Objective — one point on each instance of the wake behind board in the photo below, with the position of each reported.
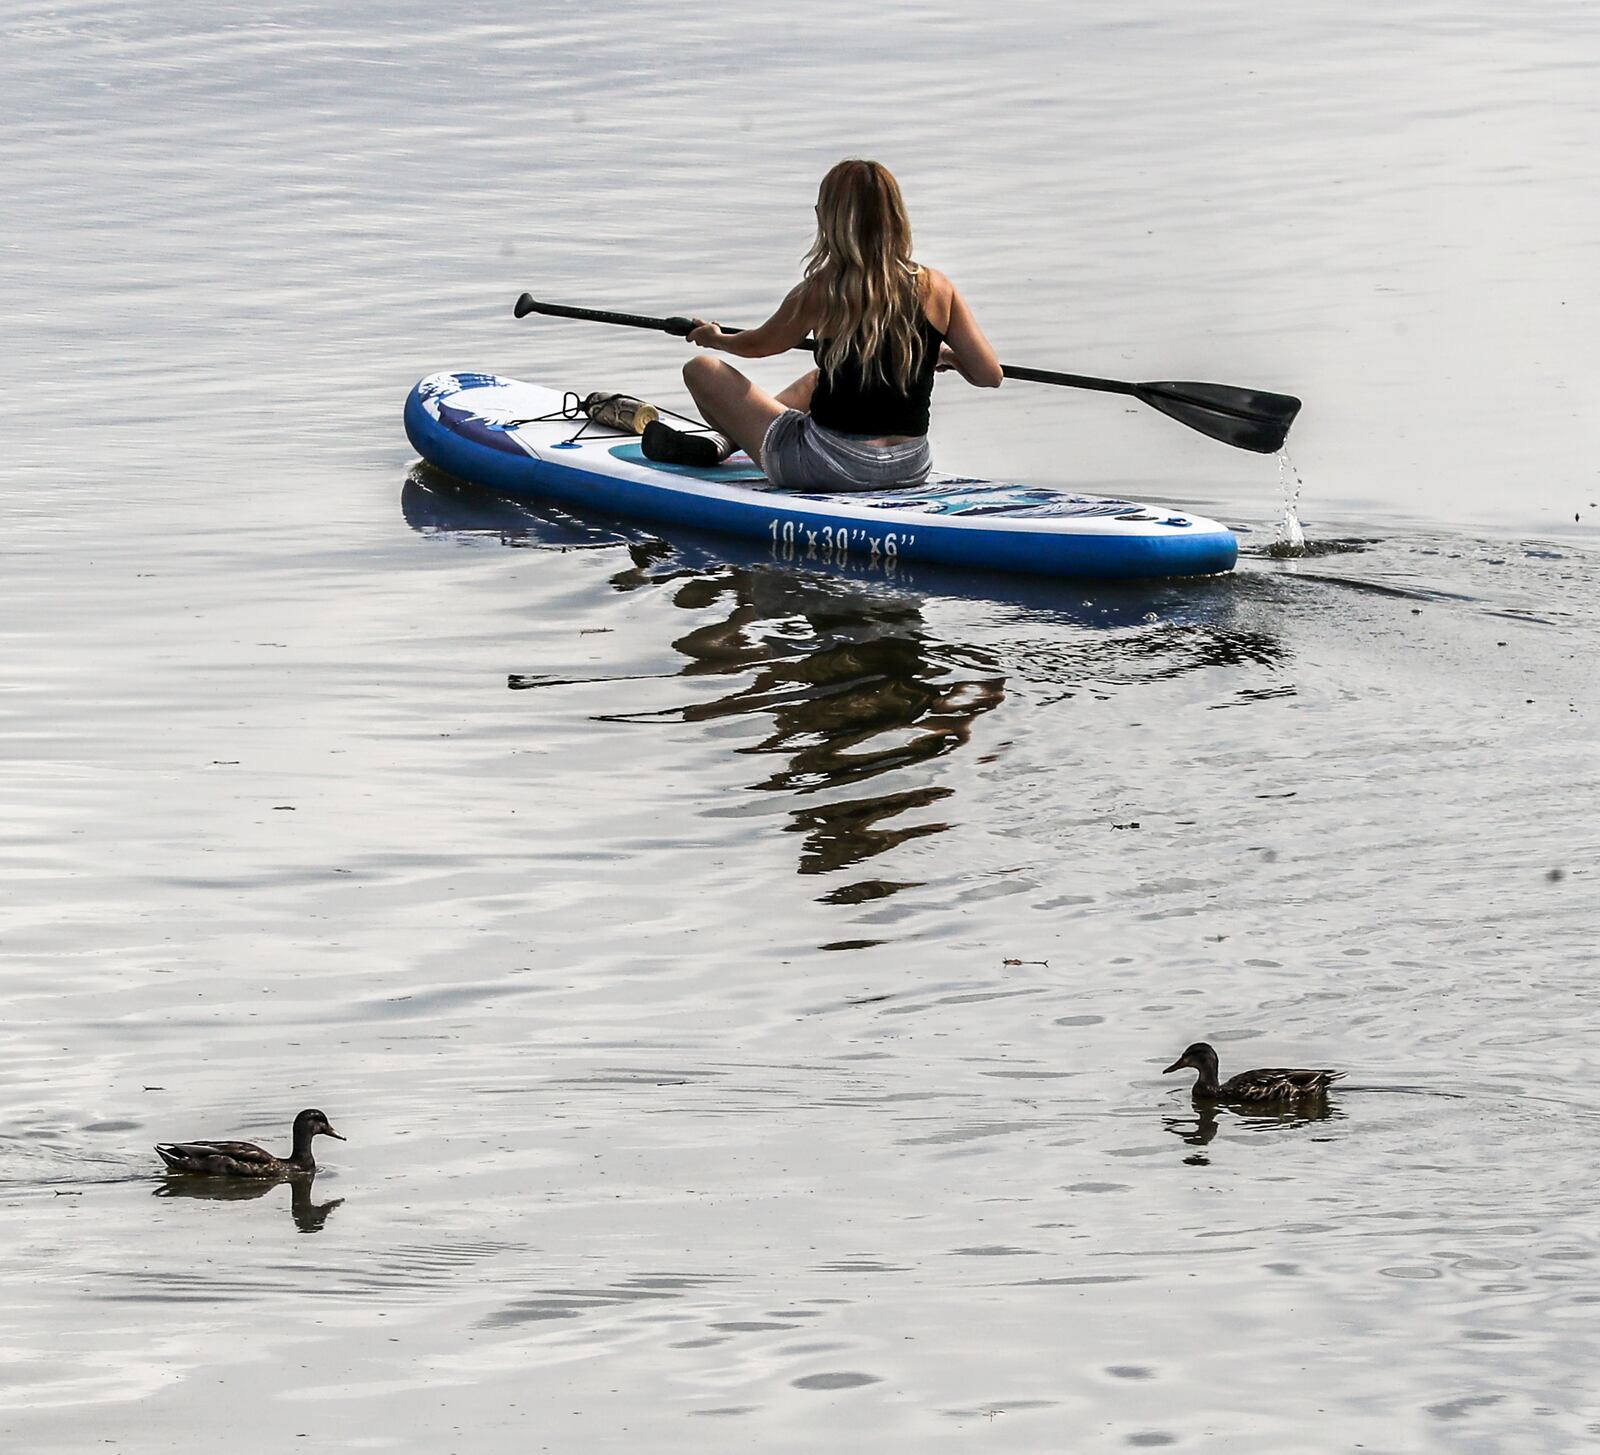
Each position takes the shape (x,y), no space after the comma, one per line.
(511,437)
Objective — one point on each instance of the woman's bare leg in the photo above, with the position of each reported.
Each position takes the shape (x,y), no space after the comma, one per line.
(798,395)
(732,405)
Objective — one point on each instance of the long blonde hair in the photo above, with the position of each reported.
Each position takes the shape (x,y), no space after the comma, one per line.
(864,289)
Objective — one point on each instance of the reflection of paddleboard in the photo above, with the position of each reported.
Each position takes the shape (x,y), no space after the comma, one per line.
(512,437)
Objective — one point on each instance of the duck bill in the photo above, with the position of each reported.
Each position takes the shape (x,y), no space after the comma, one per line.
(337,1136)
(1177,1065)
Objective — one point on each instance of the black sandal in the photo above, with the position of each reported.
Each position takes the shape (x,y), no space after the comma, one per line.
(668,446)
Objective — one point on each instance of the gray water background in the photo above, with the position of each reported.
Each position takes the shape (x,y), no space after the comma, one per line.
(745,986)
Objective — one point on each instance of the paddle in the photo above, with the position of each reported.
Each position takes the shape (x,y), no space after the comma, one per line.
(1249,419)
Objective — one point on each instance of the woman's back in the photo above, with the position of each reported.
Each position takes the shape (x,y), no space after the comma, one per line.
(858,396)
(864,397)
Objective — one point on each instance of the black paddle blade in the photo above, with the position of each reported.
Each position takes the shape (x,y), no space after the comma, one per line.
(1248,419)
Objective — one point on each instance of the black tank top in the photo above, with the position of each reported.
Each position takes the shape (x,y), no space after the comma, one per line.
(849,403)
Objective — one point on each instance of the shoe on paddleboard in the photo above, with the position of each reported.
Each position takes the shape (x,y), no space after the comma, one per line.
(668,446)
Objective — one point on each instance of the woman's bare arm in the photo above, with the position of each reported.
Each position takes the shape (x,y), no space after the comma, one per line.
(786,328)
(966,350)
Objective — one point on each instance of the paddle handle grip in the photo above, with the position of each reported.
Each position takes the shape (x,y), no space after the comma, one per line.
(677,327)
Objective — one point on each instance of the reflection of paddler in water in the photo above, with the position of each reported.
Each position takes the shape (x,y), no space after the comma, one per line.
(867,693)
(308,1216)
(861,689)
(865,690)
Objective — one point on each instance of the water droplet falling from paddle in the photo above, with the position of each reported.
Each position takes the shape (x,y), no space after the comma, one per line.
(1291,537)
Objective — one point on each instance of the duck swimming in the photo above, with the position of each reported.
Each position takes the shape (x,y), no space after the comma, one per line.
(1275,1083)
(245,1159)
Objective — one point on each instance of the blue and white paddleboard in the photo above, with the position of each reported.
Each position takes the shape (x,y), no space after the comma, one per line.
(511,437)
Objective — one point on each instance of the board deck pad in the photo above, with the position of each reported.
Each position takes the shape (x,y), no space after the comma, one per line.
(737,469)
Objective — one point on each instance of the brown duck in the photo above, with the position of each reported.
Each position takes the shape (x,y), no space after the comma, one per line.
(245,1159)
(1276,1083)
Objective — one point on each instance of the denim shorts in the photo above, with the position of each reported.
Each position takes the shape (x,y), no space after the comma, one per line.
(800,454)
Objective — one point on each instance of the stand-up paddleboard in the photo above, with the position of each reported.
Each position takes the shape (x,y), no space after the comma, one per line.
(515,438)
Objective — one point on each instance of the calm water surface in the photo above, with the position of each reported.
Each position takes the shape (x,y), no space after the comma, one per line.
(744,983)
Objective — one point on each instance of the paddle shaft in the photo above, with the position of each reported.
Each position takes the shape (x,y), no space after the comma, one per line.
(680,327)
(1249,419)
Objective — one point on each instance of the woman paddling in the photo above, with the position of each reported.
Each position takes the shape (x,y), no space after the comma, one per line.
(883,325)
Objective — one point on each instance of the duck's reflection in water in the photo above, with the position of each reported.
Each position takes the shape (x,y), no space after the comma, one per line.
(309,1215)
(841,661)
(1199,1126)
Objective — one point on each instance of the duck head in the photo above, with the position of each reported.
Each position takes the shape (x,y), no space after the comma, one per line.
(312,1123)
(1198,1057)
